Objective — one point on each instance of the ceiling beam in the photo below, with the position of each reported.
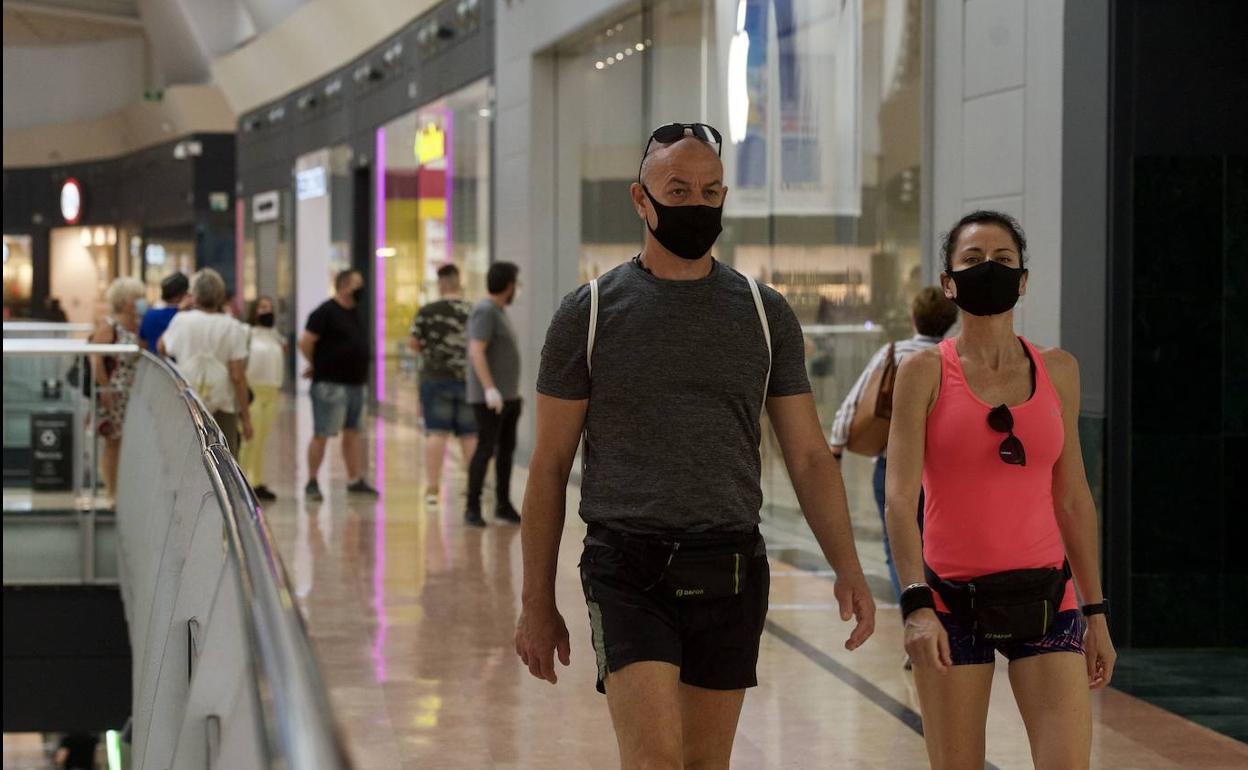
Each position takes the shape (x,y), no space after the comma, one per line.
(60,12)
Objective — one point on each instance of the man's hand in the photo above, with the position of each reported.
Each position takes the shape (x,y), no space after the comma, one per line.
(494,400)
(1099,653)
(539,634)
(927,642)
(855,600)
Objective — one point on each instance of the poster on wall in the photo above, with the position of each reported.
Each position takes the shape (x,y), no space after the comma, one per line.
(792,87)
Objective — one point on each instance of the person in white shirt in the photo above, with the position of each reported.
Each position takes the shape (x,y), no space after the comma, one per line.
(266,368)
(210,349)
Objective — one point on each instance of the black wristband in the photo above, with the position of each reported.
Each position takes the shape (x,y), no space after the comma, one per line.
(1100,608)
(916,597)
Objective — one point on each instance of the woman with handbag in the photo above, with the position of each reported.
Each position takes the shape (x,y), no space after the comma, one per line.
(266,368)
(861,424)
(987,423)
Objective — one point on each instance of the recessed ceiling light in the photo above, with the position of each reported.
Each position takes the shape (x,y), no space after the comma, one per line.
(599,65)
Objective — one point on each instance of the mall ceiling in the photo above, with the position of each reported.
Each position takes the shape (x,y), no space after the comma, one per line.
(184,35)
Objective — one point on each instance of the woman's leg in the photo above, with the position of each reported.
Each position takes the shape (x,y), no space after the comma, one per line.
(264,413)
(955,711)
(435,451)
(1052,694)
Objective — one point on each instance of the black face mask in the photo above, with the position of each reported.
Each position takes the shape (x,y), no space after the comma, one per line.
(358,296)
(989,288)
(266,320)
(686,231)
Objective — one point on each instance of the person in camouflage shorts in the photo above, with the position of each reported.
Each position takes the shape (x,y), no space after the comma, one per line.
(439,334)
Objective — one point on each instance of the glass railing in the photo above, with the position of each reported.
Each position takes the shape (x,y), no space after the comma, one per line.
(59,525)
(46,330)
(225,675)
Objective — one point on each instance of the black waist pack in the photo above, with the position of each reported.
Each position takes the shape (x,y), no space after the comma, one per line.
(689,569)
(1010,606)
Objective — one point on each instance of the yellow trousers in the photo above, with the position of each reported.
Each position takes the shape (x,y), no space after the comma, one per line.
(263,413)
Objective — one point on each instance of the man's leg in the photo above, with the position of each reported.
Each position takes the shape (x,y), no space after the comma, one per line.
(645,703)
(488,424)
(506,450)
(353,454)
(709,725)
(435,451)
(316,455)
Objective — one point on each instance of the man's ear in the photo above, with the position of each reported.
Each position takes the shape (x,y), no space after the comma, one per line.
(639,200)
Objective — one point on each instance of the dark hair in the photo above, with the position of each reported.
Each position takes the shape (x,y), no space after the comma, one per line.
(174,287)
(983,217)
(252,315)
(343,276)
(448,271)
(933,312)
(501,276)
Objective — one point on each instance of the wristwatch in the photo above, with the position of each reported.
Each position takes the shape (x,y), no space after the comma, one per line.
(1100,608)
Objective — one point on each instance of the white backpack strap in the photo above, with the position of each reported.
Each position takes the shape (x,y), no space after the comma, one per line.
(593,325)
(762,318)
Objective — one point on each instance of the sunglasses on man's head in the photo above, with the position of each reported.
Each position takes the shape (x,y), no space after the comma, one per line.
(1011,449)
(674,132)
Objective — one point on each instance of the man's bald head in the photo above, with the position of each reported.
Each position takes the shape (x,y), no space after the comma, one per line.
(682,156)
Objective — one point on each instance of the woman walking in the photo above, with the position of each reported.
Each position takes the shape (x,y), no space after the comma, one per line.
(115,374)
(987,423)
(266,365)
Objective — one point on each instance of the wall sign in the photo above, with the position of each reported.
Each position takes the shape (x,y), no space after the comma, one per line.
(71,201)
(310,183)
(265,207)
(52,444)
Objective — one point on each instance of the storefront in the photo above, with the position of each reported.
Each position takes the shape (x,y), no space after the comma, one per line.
(819,106)
(73,229)
(382,166)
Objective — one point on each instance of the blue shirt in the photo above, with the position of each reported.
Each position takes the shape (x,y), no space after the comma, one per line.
(155,321)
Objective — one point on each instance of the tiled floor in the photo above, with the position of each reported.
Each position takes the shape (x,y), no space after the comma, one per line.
(413,616)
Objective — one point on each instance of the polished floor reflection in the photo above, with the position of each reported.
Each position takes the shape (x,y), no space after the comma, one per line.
(413,615)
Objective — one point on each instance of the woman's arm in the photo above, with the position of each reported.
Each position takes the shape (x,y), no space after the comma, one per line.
(914,394)
(1076,516)
(103,335)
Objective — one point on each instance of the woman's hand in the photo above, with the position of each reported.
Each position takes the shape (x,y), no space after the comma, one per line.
(1099,653)
(927,642)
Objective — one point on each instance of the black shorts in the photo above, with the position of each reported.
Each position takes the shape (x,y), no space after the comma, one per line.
(634,616)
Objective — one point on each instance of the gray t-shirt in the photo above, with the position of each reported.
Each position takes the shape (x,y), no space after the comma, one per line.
(672,428)
(489,324)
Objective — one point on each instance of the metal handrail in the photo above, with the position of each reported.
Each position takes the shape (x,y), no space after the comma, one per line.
(63,347)
(299,724)
(33,327)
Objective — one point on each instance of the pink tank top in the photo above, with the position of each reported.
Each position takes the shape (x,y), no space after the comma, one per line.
(982,515)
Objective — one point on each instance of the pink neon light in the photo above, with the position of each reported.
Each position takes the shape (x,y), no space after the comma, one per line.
(239,237)
(447,150)
(379,270)
(379,551)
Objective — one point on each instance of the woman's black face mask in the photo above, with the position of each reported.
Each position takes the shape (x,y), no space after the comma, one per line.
(989,288)
(686,231)
(266,319)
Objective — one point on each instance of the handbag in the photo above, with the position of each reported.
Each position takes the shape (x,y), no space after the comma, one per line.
(868,430)
(1010,606)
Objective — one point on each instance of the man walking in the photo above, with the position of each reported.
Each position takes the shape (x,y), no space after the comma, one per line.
(439,334)
(336,346)
(173,295)
(665,365)
(494,392)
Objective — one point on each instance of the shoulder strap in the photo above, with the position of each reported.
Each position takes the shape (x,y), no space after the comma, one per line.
(593,325)
(762,318)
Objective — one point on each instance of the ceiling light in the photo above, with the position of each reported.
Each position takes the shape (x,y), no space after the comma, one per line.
(640,46)
(628,51)
(619,56)
(610,60)
(599,65)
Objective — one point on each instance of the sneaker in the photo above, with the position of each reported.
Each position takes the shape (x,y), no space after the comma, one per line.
(362,487)
(431,496)
(907,665)
(473,518)
(312,492)
(508,514)
(264,493)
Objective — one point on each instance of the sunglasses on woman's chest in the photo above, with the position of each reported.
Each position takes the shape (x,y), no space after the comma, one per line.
(1011,450)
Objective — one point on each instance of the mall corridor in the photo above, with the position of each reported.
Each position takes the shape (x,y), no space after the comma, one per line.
(413,616)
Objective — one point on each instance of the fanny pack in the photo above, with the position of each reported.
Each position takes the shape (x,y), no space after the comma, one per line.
(1015,605)
(685,570)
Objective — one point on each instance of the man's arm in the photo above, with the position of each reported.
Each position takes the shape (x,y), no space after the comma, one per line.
(307,346)
(541,630)
(480,365)
(816,477)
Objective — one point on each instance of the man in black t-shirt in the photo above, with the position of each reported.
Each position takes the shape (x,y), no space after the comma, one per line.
(663,367)
(440,335)
(335,343)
